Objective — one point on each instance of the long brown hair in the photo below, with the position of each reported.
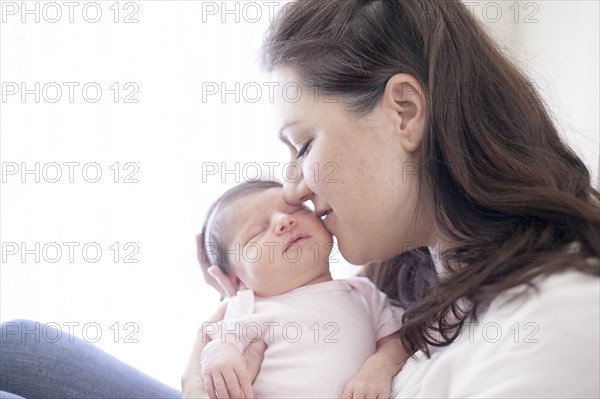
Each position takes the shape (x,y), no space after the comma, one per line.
(508,192)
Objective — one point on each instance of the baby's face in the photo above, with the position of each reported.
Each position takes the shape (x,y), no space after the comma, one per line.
(274,247)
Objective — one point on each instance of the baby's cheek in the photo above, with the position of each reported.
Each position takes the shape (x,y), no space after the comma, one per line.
(251,253)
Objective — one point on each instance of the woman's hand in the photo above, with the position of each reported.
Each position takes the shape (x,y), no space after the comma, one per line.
(213,275)
(192,383)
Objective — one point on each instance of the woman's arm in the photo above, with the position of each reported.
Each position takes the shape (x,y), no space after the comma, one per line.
(192,384)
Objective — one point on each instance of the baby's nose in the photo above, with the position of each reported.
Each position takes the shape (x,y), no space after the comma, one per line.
(285,223)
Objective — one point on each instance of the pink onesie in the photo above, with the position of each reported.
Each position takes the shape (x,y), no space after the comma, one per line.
(318,336)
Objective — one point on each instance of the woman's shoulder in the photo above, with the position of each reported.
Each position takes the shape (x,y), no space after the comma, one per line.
(563,291)
(529,342)
(559,312)
(543,341)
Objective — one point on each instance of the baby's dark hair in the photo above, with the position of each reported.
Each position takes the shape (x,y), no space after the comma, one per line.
(213,244)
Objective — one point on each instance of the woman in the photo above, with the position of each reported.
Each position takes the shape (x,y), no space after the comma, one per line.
(429,142)
(437,141)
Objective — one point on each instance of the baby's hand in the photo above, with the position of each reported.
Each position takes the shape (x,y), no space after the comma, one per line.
(373,381)
(225,372)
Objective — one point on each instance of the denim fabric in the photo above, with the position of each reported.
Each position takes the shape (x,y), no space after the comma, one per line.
(56,365)
(6,395)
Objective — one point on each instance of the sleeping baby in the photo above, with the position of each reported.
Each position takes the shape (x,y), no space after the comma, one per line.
(325,338)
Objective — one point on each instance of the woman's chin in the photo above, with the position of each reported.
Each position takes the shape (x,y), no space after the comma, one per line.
(352,254)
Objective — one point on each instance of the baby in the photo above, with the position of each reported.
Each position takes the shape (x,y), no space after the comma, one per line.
(325,338)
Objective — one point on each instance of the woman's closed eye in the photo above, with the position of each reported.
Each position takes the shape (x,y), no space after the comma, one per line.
(303,149)
(302,208)
(295,209)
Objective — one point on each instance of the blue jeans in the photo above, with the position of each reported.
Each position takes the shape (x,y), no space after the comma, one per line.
(66,367)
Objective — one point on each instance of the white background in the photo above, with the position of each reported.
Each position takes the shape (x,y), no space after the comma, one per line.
(173,53)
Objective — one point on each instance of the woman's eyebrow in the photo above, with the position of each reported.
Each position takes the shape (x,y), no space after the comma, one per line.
(282,137)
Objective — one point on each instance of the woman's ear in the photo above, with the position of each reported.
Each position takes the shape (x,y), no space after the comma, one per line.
(404,98)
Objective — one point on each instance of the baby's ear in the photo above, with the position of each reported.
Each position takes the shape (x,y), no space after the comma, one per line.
(228,283)
(237,283)
(242,286)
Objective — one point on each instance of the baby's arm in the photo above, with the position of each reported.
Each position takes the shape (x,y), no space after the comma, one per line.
(225,371)
(374,379)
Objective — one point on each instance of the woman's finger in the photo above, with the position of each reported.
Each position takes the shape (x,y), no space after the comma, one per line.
(244,381)
(204,265)
(253,355)
(223,280)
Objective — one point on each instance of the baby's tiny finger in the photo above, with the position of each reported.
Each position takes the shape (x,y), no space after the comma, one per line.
(233,386)
(359,394)
(209,386)
(220,387)
(245,383)
(347,393)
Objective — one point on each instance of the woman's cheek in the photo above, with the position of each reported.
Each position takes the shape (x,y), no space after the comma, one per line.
(318,171)
(307,169)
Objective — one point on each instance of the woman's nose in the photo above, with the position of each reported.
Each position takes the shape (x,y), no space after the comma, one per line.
(284,223)
(295,191)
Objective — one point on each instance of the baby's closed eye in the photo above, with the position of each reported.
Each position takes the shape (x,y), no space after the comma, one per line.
(256,232)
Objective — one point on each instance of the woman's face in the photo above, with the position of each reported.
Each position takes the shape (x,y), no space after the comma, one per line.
(361,173)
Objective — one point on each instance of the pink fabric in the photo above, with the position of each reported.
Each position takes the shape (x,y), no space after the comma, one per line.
(318,336)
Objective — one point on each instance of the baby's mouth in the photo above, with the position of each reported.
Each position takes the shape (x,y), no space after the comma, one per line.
(293,240)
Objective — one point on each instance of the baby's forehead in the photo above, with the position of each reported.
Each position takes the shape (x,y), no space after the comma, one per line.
(241,210)
(248,205)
